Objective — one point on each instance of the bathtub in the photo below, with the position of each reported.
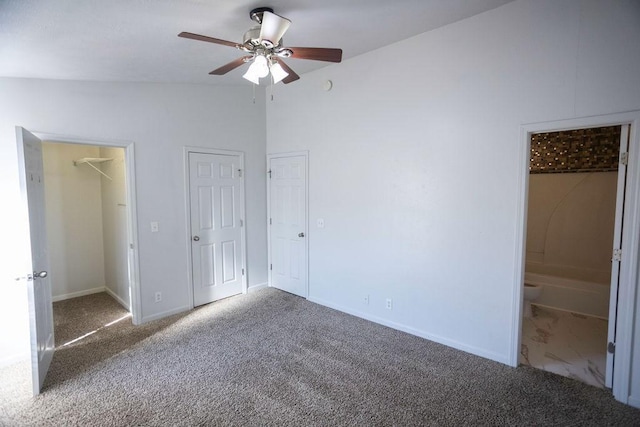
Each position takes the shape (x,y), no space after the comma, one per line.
(572,295)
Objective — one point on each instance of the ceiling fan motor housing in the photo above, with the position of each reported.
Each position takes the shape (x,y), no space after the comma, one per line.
(257,13)
(252,37)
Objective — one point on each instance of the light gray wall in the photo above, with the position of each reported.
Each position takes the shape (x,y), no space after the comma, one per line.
(414,166)
(74,221)
(160,119)
(114,224)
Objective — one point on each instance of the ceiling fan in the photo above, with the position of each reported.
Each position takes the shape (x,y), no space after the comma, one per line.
(264,46)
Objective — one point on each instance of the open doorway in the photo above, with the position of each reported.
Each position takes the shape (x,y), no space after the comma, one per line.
(623,295)
(574,225)
(28,353)
(87,226)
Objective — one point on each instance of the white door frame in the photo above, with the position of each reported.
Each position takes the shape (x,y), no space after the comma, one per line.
(630,240)
(305,154)
(187,204)
(132,216)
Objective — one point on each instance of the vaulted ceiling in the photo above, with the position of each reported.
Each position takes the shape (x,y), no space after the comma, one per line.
(136,40)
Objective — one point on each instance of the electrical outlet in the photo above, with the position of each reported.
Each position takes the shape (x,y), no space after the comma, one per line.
(389,304)
(366,300)
(320,223)
(154,226)
(158,296)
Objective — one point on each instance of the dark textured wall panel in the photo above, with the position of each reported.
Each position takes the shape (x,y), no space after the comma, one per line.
(579,150)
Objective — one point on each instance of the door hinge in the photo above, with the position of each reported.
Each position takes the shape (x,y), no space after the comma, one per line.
(243,271)
(611,347)
(269,172)
(241,223)
(270,221)
(130,245)
(624,158)
(617,255)
(239,173)
(270,266)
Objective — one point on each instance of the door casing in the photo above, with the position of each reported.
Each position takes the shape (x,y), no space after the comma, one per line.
(630,241)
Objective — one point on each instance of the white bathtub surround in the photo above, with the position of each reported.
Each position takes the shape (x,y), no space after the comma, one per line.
(576,296)
(568,344)
(570,224)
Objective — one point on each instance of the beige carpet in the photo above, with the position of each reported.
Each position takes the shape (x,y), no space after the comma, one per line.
(270,358)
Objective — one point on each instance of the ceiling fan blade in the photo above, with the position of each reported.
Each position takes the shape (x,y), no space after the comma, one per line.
(292,77)
(207,39)
(230,66)
(273,27)
(317,53)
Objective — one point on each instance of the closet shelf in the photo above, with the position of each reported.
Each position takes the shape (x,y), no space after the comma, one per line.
(91,160)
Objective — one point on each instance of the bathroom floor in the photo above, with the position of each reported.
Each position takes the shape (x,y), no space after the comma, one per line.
(568,344)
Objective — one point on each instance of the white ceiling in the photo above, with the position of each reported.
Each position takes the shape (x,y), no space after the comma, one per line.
(136,40)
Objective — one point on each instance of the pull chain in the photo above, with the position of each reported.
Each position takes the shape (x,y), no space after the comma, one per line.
(254,93)
(271,87)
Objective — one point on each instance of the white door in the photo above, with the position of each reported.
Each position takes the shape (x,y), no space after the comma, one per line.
(288,223)
(37,282)
(615,261)
(216,200)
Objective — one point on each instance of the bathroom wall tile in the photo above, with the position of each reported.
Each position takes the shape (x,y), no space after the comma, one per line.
(579,150)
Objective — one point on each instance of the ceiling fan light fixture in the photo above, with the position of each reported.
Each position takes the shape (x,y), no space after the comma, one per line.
(251,77)
(273,27)
(264,49)
(278,73)
(260,66)
(258,69)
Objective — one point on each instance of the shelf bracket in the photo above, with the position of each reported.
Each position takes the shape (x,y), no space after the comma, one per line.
(88,162)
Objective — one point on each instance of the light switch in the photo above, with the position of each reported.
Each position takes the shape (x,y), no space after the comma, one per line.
(320,223)
(154,226)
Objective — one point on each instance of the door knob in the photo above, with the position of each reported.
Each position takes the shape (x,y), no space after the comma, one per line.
(196,238)
(300,234)
(40,275)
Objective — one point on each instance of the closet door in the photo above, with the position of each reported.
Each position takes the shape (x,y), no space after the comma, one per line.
(216,200)
(36,266)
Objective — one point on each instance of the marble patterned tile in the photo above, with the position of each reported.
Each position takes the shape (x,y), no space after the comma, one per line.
(568,344)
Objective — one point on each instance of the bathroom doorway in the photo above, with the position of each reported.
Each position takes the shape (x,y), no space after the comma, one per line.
(621,321)
(565,250)
(575,206)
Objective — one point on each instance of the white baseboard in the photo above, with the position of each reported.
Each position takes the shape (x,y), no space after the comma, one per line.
(146,319)
(502,358)
(79,294)
(633,401)
(257,287)
(13,359)
(117,298)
